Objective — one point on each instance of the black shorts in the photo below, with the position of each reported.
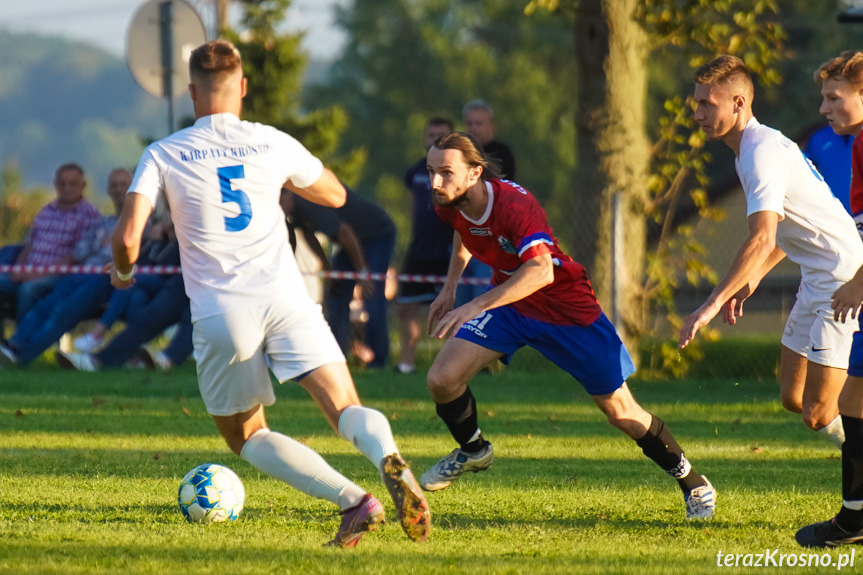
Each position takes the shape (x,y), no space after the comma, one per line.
(411,292)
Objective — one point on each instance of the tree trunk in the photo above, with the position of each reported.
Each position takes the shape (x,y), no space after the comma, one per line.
(613,152)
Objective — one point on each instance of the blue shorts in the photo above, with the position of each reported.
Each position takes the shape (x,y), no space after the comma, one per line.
(855,362)
(592,354)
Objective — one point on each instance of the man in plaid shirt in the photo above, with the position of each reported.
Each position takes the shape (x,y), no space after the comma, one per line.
(56,229)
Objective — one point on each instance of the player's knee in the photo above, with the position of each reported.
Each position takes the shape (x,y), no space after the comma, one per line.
(440,380)
(817,416)
(792,403)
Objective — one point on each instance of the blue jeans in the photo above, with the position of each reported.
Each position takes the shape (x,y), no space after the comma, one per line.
(27,293)
(166,308)
(124,301)
(378,253)
(72,300)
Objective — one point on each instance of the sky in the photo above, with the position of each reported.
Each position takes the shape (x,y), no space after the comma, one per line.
(104,22)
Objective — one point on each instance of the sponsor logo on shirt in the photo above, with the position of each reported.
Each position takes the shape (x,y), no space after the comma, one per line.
(480,231)
(194,155)
(506,245)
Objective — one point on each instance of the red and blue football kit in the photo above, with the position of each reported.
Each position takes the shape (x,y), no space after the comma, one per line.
(563,320)
(514,230)
(855,363)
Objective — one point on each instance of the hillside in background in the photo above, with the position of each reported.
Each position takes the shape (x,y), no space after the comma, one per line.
(65,101)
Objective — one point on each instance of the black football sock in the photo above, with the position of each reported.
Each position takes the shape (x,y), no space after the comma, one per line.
(848,518)
(659,445)
(459,415)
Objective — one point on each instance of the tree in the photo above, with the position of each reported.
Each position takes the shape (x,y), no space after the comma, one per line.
(408,60)
(18,207)
(274,62)
(614,39)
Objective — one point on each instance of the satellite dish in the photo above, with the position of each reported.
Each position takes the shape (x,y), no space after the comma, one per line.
(160,26)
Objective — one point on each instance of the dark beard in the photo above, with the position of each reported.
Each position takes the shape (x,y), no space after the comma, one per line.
(453,203)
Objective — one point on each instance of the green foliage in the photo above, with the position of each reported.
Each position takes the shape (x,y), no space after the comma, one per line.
(91,463)
(408,60)
(695,31)
(699,29)
(273,63)
(18,206)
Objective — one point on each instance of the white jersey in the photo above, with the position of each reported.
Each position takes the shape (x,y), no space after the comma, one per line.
(222,178)
(814,230)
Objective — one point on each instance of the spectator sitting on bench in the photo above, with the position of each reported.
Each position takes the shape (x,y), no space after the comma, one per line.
(74,297)
(57,228)
(159,249)
(159,309)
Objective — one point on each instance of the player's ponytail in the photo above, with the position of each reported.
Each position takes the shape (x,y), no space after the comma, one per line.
(472,152)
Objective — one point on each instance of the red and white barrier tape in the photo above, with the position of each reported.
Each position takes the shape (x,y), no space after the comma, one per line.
(68,269)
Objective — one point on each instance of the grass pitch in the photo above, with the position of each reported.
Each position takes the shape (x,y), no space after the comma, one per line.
(90,465)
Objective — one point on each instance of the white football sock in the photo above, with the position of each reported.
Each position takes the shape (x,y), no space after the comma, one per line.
(300,467)
(369,430)
(834,431)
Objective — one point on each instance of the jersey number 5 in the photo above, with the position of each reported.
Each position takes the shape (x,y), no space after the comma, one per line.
(241,221)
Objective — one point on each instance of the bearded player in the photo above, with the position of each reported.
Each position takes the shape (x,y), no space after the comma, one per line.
(540,298)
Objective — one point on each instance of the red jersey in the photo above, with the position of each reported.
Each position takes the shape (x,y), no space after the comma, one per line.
(513,230)
(857,183)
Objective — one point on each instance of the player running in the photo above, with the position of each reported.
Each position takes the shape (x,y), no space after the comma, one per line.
(792,211)
(540,298)
(841,80)
(222,178)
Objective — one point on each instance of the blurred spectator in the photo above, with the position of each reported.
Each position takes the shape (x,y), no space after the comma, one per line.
(160,248)
(479,123)
(74,297)
(168,307)
(428,252)
(365,236)
(57,228)
(831,154)
(308,252)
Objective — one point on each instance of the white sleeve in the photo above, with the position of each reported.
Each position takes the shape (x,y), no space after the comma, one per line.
(149,180)
(303,168)
(765,179)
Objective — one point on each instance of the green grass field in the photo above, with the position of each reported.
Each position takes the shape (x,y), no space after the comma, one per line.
(90,465)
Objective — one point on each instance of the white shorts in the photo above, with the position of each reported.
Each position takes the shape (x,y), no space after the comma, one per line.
(233,351)
(812,332)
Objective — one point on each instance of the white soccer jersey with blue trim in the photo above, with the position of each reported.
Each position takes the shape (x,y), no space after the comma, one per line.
(222,178)
(815,231)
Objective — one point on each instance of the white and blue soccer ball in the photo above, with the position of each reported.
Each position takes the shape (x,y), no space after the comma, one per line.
(211,493)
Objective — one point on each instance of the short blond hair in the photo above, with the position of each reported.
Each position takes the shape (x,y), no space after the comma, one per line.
(846,66)
(728,70)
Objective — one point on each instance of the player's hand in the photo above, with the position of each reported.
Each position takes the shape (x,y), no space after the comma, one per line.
(441,305)
(698,319)
(847,300)
(454,319)
(116,281)
(733,308)
(367,288)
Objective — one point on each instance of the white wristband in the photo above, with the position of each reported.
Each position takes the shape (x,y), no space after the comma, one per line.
(126,277)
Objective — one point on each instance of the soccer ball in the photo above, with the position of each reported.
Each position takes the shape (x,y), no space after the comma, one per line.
(211,493)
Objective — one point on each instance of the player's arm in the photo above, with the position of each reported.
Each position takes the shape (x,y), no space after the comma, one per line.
(347,238)
(326,191)
(126,241)
(532,276)
(446,298)
(756,257)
